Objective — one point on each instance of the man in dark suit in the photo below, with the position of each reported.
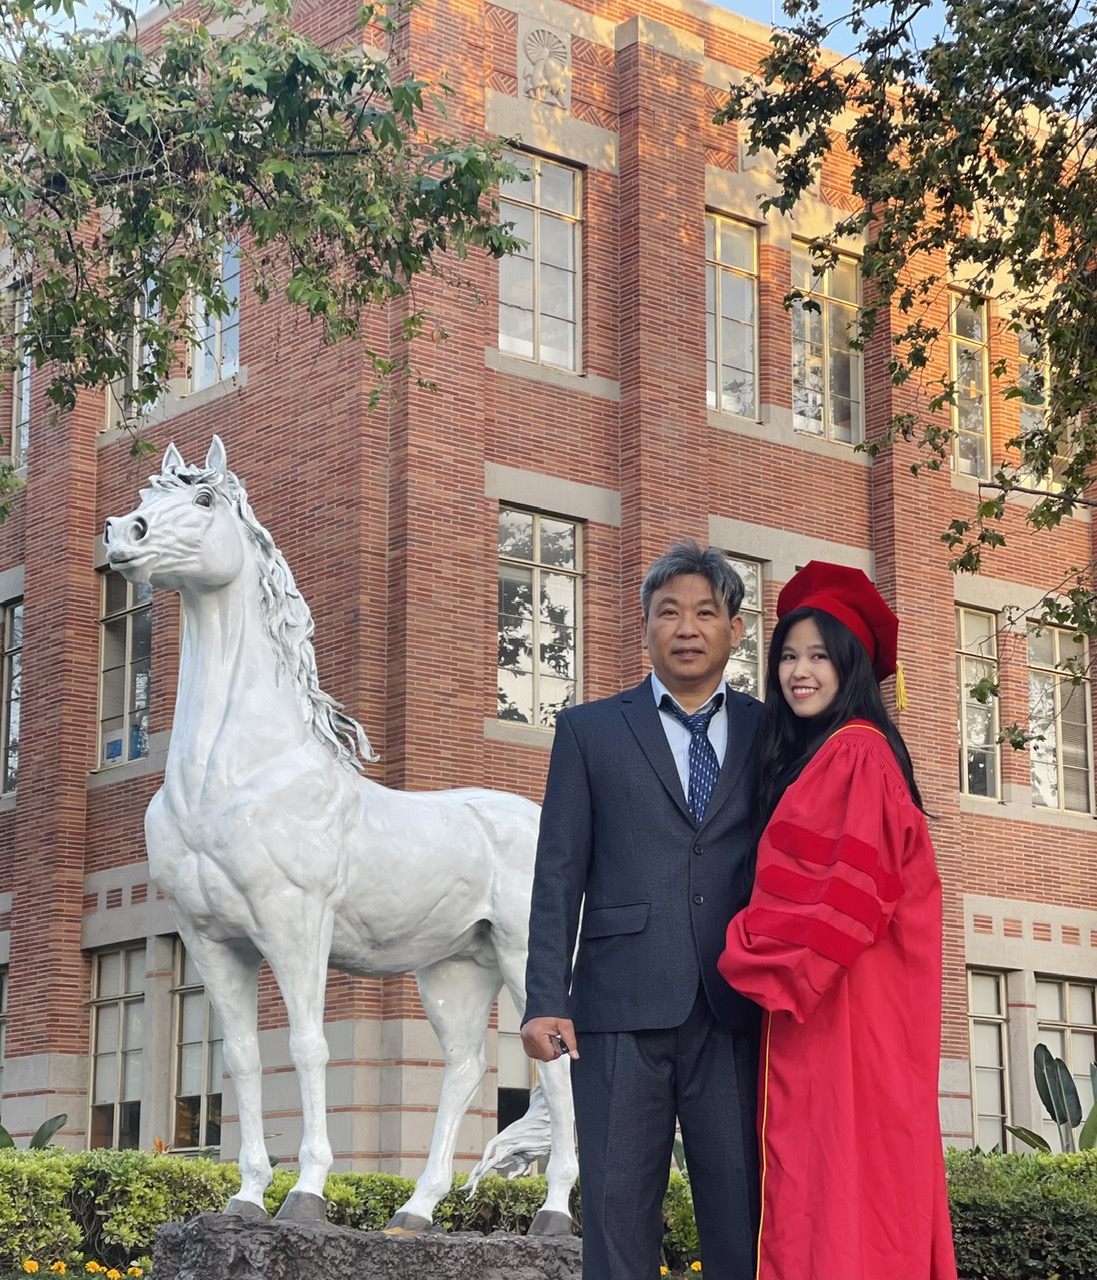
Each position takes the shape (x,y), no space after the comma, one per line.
(647,826)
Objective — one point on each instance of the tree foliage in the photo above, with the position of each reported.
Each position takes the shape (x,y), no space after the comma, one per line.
(127,163)
(974,164)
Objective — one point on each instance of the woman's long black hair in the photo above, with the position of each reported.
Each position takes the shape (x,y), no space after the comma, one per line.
(786,742)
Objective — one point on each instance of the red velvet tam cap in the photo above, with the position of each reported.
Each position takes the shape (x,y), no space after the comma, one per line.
(848,595)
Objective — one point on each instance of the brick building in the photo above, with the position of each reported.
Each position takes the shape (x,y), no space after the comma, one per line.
(631,378)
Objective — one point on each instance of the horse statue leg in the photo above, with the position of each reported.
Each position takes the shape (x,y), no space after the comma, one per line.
(554,1078)
(230,972)
(300,968)
(457,995)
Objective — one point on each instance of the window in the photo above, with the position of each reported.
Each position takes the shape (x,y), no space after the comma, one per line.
(976,660)
(539,568)
(1066,1020)
(989,1081)
(539,286)
(122,404)
(517,1074)
(826,370)
(3,1025)
(968,371)
(1058,711)
(12,689)
(118,995)
(199,1060)
(1034,378)
(216,353)
(126,627)
(746,666)
(731,308)
(20,392)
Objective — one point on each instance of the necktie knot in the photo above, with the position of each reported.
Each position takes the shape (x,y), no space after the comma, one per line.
(704,767)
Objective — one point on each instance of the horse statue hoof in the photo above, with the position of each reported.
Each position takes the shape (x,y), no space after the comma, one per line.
(550,1222)
(406,1224)
(303,1206)
(245,1209)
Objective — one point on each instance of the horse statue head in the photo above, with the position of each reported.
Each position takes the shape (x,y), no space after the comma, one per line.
(194,532)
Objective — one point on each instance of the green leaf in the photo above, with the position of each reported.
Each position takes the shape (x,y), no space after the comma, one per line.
(6,1140)
(1056,1088)
(45,1132)
(1034,1140)
(1087,1139)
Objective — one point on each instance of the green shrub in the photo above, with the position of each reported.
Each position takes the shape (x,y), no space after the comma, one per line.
(1014,1217)
(680,1242)
(1021,1216)
(119,1198)
(34,1215)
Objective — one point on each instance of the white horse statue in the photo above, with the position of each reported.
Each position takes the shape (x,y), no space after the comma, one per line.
(269,844)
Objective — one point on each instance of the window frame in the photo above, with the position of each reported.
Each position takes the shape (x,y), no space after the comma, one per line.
(536,566)
(966,658)
(129,613)
(21,301)
(1066,1027)
(999,1020)
(1083,691)
(181,988)
(119,402)
(210,328)
(4,991)
(574,220)
(124,999)
(759,613)
(956,301)
(715,269)
(1037,359)
(818,291)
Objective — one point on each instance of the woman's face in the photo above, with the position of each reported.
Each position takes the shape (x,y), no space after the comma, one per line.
(806,674)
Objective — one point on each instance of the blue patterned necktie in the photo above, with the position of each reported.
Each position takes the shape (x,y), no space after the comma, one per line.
(704,768)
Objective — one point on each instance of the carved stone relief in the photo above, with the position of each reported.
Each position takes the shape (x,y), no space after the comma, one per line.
(544,63)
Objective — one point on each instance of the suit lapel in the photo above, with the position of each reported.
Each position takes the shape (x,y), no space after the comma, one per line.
(735,756)
(642,715)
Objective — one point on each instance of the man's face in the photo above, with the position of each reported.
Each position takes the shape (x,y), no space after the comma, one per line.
(689,636)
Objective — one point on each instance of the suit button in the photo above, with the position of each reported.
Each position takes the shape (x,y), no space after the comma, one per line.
(698,848)
(698,898)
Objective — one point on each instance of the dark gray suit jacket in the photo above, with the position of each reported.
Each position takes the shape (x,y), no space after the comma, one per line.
(659,893)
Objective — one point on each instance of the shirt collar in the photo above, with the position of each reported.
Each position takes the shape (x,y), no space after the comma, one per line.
(660,690)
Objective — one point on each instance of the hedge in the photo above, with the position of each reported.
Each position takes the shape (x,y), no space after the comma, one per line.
(1014,1217)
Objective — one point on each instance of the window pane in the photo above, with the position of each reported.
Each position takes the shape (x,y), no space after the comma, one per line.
(736,246)
(557,543)
(985,993)
(558,188)
(1082,1007)
(968,322)
(516,283)
(135,970)
(986,1045)
(105,1085)
(516,535)
(557,243)
(109,972)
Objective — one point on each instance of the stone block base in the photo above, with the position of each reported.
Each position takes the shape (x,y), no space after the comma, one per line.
(224,1247)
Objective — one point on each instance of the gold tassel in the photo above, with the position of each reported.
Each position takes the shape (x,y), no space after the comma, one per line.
(901,699)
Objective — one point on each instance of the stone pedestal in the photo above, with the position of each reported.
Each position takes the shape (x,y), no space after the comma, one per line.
(224,1247)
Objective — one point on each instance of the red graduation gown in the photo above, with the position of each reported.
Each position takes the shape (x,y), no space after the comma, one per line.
(841,943)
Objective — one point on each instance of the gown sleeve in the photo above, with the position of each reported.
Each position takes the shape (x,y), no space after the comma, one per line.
(829,877)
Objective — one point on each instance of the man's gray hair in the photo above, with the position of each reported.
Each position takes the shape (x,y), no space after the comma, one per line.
(687,556)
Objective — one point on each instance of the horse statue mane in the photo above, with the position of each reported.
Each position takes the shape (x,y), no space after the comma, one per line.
(287,617)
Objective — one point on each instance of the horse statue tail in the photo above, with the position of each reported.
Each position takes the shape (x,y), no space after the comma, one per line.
(511,1152)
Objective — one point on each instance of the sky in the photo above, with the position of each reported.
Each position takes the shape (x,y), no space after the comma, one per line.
(759,10)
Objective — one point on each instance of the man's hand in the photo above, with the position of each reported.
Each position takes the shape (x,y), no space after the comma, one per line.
(546,1039)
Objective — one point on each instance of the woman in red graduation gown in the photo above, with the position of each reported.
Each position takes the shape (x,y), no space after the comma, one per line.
(841,944)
